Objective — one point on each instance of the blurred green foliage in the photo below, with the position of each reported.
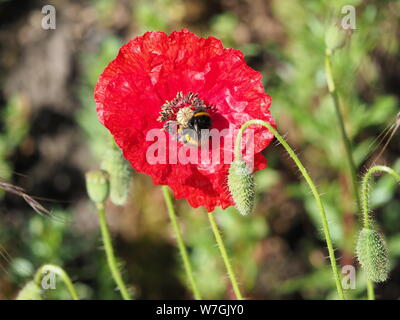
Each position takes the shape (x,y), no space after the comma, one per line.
(14,118)
(293,69)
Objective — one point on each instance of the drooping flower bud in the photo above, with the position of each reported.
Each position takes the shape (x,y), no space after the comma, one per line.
(97,185)
(241,186)
(120,173)
(372,254)
(31,291)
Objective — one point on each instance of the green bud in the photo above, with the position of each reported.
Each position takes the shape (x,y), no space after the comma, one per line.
(334,37)
(241,186)
(120,173)
(31,291)
(97,185)
(372,254)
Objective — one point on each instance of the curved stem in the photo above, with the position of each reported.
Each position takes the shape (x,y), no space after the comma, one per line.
(182,249)
(313,189)
(111,260)
(346,141)
(225,256)
(59,271)
(365,191)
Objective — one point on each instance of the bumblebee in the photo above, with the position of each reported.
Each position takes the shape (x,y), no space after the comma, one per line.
(189,115)
(190,123)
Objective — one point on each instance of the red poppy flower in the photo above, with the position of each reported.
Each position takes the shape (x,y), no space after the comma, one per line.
(156,73)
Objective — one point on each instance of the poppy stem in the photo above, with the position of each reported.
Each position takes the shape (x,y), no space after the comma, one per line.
(43,270)
(181,244)
(225,256)
(345,138)
(111,259)
(365,193)
(370,290)
(365,189)
(313,189)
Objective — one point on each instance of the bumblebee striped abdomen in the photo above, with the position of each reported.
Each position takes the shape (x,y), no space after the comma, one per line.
(200,120)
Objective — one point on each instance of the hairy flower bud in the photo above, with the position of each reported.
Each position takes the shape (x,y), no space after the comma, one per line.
(97,185)
(31,291)
(120,173)
(372,254)
(241,186)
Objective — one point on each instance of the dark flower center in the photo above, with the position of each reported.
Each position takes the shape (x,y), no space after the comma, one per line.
(188,114)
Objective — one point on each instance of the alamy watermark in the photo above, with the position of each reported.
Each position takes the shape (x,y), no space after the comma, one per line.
(49,20)
(349,278)
(48,280)
(349,20)
(210,147)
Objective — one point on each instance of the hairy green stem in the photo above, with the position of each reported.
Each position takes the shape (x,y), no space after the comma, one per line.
(182,249)
(365,192)
(225,256)
(313,189)
(345,139)
(43,270)
(370,290)
(111,259)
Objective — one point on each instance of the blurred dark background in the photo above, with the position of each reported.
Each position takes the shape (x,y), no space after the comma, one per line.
(50,136)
